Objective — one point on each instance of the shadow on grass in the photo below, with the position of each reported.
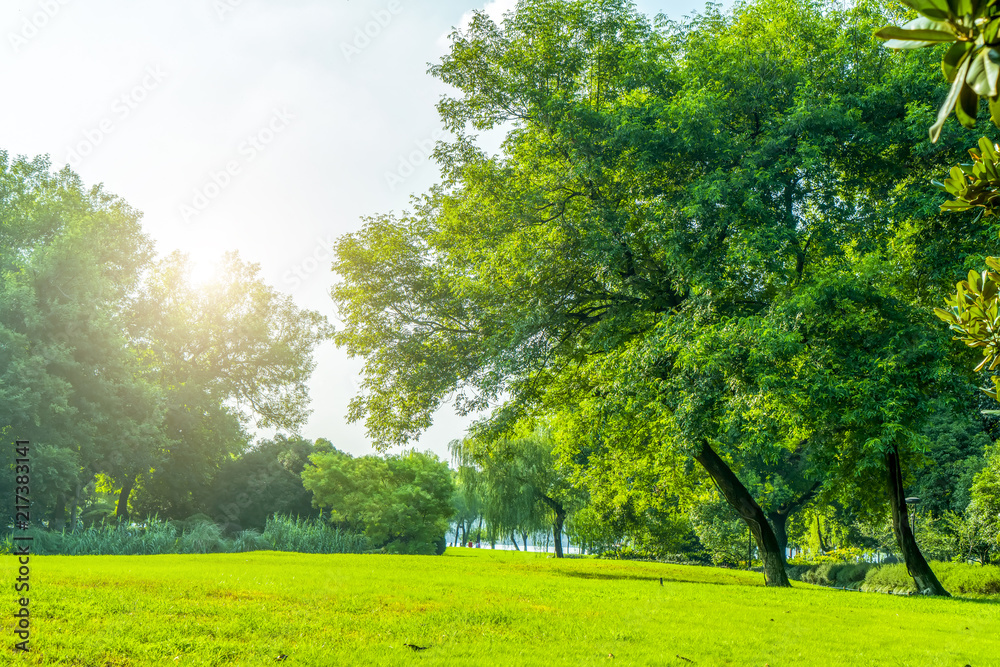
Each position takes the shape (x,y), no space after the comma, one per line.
(605,576)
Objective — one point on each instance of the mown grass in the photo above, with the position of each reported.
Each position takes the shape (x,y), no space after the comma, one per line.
(470,606)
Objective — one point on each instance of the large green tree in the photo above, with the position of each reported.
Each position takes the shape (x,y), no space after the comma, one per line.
(71,259)
(230,355)
(663,192)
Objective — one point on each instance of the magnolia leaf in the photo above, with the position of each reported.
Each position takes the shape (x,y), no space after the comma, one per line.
(990,36)
(968,103)
(995,110)
(982,364)
(978,77)
(935,9)
(950,101)
(945,315)
(917,33)
(992,72)
(953,59)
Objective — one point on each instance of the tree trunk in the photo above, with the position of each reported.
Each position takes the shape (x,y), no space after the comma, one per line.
(58,519)
(121,511)
(779,522)
(925,579)
(823,546)
(751,513)
(557,525)
(76,506)
(557,529)
(524,536)
(513,538)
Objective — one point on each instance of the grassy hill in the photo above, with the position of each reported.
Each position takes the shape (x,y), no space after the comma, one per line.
(471,607)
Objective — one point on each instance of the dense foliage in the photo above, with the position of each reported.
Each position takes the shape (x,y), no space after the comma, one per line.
(401,503)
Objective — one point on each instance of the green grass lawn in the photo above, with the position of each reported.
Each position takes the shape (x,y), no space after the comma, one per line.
(470,606)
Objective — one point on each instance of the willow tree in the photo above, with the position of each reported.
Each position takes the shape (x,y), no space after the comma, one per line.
(520,484)
(658,183)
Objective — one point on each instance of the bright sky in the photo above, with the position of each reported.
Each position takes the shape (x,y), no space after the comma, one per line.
(265,126)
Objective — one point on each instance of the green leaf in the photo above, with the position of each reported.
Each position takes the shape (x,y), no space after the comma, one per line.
(945,315)
(979,76)
(968,104)
(990,36)
(931,8)
(953,59)
(960,7)
(992,72)
(945,110)
(995,110)
(989,290)
(917,33)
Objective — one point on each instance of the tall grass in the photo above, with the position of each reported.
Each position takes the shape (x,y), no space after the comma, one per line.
(164,537)
(312,537)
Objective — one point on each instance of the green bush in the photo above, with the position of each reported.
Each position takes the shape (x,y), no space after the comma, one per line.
(841,575)
(969,579)
(194,536)
(889,579)
(957,578)
(251,540)
(204,538)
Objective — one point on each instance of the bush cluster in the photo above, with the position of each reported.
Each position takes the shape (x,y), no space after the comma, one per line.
(841,575)
(958,578)
(194,537)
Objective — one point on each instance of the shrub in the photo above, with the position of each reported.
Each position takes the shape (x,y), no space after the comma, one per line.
(312,537)
(957,578)
(842,575)
(250,540)
(969,579)
(889,579)
(203,538)
(194,536)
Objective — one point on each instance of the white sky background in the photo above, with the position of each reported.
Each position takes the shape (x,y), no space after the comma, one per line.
(156,97)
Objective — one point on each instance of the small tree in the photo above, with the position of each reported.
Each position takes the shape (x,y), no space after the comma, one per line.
(521,484)
(402,503)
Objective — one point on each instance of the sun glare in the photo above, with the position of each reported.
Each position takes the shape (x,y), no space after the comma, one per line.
(202,272)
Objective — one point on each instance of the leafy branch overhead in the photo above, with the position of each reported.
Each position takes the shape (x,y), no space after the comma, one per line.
(971,64)
(973,312)
(976,183)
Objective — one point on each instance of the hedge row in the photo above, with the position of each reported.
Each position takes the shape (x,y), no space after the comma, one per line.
(957,578)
